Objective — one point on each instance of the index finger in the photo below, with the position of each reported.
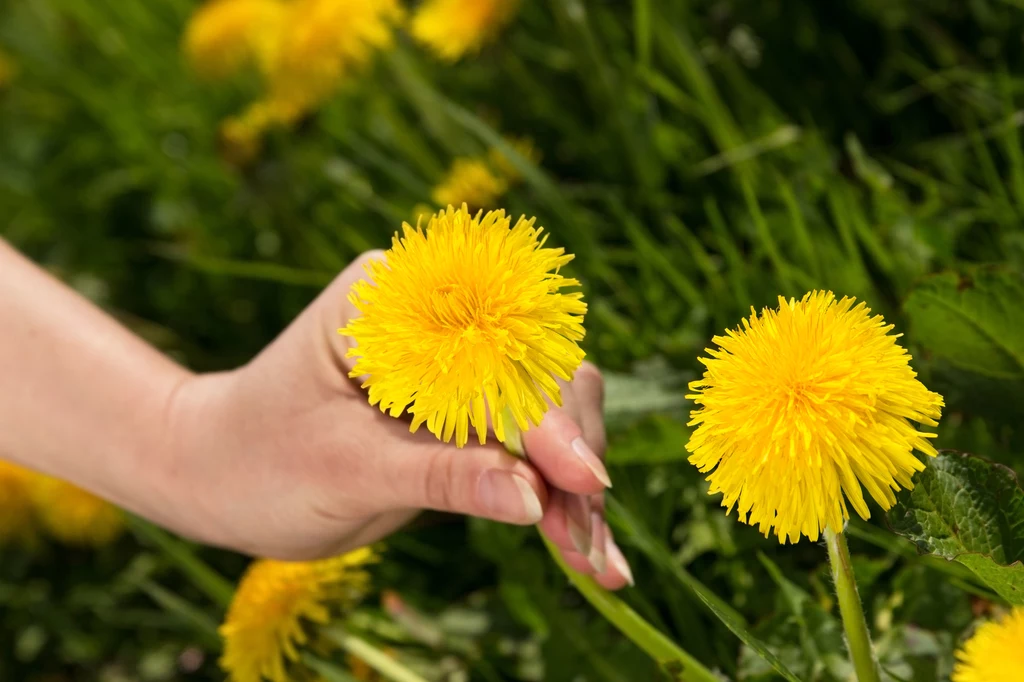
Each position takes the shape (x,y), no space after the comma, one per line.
(565,447)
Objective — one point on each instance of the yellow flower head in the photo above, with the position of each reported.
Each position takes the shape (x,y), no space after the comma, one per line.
(242,136)
(276,601)
(74,516)
(322,41)
(16,517)
(470,182)
(453,28)
(465,319)
(803,404)
(995,653)
(223,36)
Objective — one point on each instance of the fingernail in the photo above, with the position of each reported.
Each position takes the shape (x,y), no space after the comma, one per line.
(577,515)
(592,461)
(619,561)
(508,497)
(597,557)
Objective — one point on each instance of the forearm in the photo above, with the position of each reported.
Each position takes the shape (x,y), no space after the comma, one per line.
(81,397)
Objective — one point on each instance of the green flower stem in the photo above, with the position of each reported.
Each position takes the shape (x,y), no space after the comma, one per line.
(667,653)
(372,656)
(857,637)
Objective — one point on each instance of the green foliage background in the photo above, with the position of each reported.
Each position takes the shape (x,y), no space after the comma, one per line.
(699,157)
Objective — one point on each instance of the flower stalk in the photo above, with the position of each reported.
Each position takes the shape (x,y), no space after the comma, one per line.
(667,653)
(858,639)
(387,666)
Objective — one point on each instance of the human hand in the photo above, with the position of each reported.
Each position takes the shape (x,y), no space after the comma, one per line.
(286,458)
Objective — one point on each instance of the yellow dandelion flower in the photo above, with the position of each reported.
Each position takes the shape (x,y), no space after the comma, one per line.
(470,182)
(224,36)
(803,404)
(243,135)
(74,516)
(16,515)
(322,41)
(995,653)
(276,601)
(454,28)
(466,318)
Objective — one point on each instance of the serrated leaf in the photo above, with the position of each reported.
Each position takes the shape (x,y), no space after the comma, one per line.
(970,510)
(973,321)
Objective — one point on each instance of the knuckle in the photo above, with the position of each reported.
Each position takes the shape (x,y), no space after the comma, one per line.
(590,377)
(439,480)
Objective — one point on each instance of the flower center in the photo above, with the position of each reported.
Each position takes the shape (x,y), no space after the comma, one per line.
(454,307)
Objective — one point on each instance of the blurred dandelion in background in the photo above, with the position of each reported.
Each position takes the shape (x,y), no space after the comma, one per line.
(277,601)
(225,36)
(995,653)
(804,404)
(75,516)
(470,182)
(452,29)
(302,49)
(472,308)
(324,41)
(480,182)
(17,522)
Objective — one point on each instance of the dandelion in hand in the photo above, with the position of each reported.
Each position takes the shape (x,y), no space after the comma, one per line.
(466,319)
(803,405)
(995,653)
(275,603)
(453,28)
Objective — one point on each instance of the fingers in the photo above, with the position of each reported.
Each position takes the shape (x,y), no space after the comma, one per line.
(588,392)
(482,481)
(339,289)
(336,310)
(617,573)
(569,522)
(560,451)
(604,560)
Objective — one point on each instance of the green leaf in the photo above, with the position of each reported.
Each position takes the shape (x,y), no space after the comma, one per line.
(970,510)
(973,321)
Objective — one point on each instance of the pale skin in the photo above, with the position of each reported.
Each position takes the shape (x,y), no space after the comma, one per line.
(283,457)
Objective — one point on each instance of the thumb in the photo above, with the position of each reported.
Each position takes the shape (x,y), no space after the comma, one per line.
(417,471)
(334,308)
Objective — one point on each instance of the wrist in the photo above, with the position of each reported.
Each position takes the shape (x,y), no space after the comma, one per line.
(181,486)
